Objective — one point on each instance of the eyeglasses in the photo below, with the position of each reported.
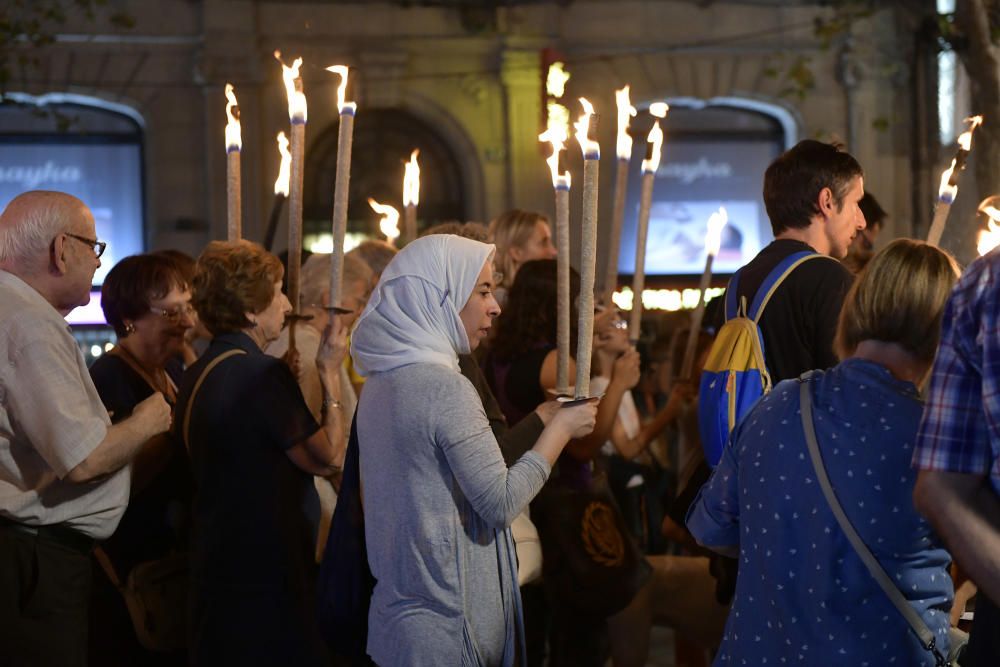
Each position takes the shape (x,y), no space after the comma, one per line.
(174,315)
(98,246)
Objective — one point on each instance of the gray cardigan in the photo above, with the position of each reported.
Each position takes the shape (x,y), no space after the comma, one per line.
(439,501)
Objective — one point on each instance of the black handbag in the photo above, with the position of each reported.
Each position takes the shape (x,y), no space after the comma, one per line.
(589,559)
(345,579)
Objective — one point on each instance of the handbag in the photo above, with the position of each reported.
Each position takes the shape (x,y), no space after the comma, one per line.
(909,614)
(346,582)
(589,559)
(528,546)
(156,595)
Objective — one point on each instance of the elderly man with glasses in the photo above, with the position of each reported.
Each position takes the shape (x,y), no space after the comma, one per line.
(64,480)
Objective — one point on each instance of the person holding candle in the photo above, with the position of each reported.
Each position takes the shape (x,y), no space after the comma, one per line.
(147,300)
(801,584)
(254,449)
(520,236)
(520,367)
(438,497)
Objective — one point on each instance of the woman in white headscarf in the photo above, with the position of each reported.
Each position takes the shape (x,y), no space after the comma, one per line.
(438,498)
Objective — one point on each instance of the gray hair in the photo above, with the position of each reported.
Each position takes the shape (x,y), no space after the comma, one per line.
(30,222)
(316,276)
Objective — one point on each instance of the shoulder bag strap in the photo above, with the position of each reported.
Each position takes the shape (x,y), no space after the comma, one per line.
(197,385)
(905,609)
(776,277)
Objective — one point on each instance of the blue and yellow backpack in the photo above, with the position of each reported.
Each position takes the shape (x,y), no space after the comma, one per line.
(735,374)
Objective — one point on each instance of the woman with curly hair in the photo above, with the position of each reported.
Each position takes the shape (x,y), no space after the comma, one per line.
(254,447)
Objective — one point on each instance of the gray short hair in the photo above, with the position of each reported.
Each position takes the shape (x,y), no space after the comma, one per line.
(316,276)
(30,222)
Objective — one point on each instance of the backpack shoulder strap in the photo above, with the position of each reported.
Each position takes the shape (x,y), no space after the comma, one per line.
(197,385)
(775,278)
(906,610)
(732,296)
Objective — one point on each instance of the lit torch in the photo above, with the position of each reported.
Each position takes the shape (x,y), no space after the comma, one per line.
(389,222)
(586,126)
(948,189)
(297,116)
(624,150)
(556,135)
(713,241)
(280,190)
(234,143)
(345,139)
(411,196)
(654,145)
(989,238)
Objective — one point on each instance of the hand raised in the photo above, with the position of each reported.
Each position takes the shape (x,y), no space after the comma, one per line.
(578,420)
(626,370)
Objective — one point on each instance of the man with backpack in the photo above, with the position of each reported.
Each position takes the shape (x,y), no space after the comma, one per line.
(781,308)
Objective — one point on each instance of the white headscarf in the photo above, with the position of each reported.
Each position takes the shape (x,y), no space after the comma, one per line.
(413,313)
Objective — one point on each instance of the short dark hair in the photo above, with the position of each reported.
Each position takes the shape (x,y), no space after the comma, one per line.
(874,214)
(133,283)
(792,182)
(234,278)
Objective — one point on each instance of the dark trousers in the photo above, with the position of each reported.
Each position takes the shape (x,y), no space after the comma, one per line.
(44,591)
(984,640)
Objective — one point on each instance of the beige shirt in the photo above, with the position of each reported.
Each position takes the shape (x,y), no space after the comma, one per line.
(51,419)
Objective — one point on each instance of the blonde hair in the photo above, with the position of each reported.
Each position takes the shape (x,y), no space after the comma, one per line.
(512,229)
(898,298)
(316,276)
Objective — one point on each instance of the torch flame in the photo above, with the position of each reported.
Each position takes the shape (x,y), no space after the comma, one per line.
(990,237)
(965,139)
(555,79)
(659,109)
(284,171)
(713,237)
(389,224)
(625,111)
(591,149)
(655,137)
(411,180)
(555,135)
(296,98)
(948,190)
(233,139)
(341,71)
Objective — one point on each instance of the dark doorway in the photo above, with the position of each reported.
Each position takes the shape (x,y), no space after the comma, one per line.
(383,140)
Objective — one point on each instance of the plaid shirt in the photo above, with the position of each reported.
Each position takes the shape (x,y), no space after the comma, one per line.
(960,429)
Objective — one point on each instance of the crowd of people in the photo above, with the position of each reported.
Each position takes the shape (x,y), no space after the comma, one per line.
(393,480)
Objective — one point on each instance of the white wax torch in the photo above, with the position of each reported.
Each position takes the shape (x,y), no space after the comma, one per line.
(234,143)
(297,117)
(556,136)
(280,189)
(623,147)
(388,224)
(586,126)
(989,238)
(713,241)
(654,147)
(948,189)
(345,138)
(411,196)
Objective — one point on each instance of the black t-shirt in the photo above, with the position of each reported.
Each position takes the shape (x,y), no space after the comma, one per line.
(799,322)
(156,519)
(252,529)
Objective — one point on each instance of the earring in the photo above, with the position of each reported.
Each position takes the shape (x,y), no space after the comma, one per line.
(129,328)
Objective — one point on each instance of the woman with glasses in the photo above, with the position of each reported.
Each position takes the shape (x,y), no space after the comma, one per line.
(148,303)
